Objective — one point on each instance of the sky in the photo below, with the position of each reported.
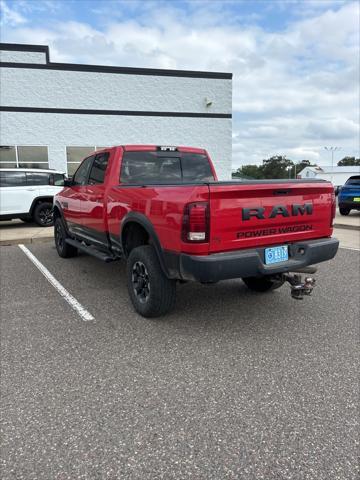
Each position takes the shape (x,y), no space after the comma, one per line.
(295,62)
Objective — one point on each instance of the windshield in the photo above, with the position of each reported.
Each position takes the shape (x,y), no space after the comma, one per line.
(353,181)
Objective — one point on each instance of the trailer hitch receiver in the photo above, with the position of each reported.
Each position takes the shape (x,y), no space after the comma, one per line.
(299,286)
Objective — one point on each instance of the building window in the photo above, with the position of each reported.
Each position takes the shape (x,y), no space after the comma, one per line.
(33,157)
(74,156)
(23,157)
(8,157)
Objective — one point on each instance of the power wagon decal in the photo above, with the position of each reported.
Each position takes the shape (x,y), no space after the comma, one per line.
(292,211)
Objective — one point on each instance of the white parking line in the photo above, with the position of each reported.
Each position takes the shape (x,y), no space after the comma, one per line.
(75,305)
(351,248)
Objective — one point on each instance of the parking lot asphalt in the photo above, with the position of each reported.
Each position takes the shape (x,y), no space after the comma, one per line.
(231,385)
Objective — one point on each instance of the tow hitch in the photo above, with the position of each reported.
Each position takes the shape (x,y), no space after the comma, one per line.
(300,285)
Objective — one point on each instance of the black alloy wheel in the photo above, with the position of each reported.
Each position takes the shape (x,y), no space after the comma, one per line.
(141,282)
(46,216)
(64,249)
(43,214)
(152,293)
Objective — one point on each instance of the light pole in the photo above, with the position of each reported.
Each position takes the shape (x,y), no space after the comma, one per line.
(332,150)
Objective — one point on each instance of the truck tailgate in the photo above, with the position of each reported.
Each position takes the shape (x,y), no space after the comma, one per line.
(258,213)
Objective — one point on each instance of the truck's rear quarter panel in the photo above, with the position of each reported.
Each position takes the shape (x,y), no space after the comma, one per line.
(162,205)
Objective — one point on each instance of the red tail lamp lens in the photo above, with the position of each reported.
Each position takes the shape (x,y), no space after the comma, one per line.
(196,222)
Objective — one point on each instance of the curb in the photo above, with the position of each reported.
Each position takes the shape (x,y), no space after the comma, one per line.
(346,226)
(25,241)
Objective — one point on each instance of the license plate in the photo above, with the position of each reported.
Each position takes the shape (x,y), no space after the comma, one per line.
(357,199)
(276,254)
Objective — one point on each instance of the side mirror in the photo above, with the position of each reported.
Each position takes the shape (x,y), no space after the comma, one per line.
(68,182)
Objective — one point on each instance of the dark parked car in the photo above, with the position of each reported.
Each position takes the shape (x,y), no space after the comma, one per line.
(349,196)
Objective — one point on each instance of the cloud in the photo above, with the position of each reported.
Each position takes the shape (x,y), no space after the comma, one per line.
(295,88)
(10,16)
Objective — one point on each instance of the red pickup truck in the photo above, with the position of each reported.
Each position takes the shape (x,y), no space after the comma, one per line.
(165,212)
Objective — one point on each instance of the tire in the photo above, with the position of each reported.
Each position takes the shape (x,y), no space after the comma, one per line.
(263,284)
(43,214)
(151,292)
(344,211)
(64,249)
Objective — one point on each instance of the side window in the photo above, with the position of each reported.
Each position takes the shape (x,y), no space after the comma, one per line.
(98,169)
(3,178)
(37,178)
(12,179)
(75,155)
(81,174)
(57,179)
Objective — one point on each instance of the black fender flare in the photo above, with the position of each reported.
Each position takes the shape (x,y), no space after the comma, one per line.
(57,205)
(143,221)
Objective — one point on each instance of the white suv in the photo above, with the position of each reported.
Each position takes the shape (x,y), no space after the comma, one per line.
(28,194)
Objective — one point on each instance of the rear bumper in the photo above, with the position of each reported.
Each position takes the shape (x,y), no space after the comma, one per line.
(248,263)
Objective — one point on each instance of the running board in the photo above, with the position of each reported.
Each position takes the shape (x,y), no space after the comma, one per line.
(105,257)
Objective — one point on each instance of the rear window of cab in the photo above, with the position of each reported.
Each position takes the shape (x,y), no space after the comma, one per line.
(156,168)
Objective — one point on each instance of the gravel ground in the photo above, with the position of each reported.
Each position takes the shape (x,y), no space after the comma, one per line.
(231,385)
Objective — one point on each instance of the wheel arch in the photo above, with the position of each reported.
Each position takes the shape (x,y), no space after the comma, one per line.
(42,199)
(138,222)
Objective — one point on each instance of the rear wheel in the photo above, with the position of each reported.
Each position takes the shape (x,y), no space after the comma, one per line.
(43,214)
(151,292)
(64,249)
(344,211)
(263,284)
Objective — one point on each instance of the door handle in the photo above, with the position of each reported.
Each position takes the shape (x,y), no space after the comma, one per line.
(31,189)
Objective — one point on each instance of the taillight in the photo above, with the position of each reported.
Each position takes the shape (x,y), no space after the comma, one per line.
(333,209)
(196,222)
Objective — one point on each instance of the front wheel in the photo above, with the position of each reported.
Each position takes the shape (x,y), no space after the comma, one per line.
(263,284)
(151,292)
(344,211)
(43,214)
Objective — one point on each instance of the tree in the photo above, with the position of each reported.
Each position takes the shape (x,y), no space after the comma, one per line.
(349,162)
(276,167)
(248,171)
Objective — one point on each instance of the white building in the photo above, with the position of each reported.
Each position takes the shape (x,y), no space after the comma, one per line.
(53,114)
(336,175)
